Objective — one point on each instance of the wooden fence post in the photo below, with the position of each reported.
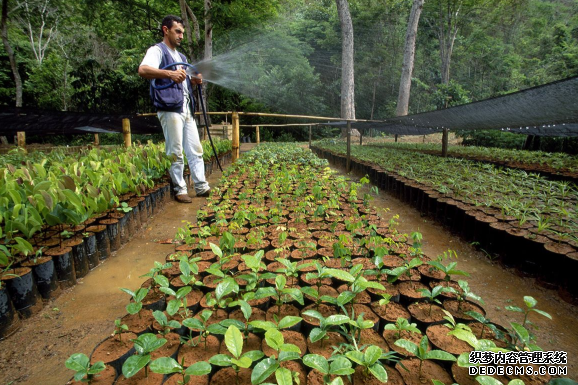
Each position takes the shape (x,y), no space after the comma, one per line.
(21,135)
(257,135)
(310,136)
(445,143)
(348,162)
(126,132)
(96,140)
(235,146)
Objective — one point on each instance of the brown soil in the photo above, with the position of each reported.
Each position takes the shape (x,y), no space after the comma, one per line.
(84,315)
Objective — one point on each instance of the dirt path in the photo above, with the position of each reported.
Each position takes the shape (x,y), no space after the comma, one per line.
(84,315)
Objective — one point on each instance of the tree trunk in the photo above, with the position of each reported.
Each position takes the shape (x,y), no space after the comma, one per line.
(10,53)
(448,25)
(188,31)
(347,71)
(408,59)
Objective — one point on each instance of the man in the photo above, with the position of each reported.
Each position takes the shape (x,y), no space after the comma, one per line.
(174,108)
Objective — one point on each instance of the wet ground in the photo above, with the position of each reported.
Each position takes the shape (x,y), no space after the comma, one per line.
(84,315)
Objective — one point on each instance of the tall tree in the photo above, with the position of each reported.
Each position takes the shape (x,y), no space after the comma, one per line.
(347,69)
(40,20)
(10,52)
(408,58)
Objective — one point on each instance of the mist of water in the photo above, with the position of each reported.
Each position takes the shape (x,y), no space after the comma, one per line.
(271,68)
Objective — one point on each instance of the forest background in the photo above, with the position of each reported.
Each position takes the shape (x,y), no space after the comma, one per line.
(83,55)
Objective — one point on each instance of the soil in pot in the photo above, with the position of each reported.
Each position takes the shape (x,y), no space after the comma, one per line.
(228,376)
(170,348)
(459,308)
(197,349)
(326,347)
(22,289)
(324,290)
(45,276)
(371,337)
(102,241)
(429,370)
(140,322)
(114,350)
(391,336)
(141,378)
(390,312)
(106,377)
(426,313)
(64,266)
(316,378)
(409,291)
(256,315)
(177,379)
(438,336)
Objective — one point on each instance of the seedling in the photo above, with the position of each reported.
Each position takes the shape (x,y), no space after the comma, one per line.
(421,352)
(464,294)
(124,207)
(280,293)
(340,366)
(84,371)
(168,365)
(237,360)
(449,270)
(164,323)
(431,296)
(486,323)
(144,345)
(520,333)
(402,325)
(202,326)
(369,361)
(137,297)
(119,329)
(325,324)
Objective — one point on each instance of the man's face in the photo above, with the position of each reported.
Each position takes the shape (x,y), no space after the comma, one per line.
(175,34)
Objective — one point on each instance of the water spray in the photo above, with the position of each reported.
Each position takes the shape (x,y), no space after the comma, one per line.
(192,72)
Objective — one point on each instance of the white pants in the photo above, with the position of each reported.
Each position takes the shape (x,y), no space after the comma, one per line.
(180,130)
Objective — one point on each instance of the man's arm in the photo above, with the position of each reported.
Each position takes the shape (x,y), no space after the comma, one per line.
(149,72)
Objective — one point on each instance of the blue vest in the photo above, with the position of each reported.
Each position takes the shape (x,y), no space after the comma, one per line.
(171,98)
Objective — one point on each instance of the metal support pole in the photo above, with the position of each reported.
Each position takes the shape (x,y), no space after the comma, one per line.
(126,132)
(235,146)
(257,135)
(310,136)
(361,137)
(348,164)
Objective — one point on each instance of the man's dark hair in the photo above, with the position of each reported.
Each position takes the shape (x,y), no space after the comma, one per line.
(168,22)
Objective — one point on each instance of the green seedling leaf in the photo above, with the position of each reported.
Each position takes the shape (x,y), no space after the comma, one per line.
(379,372)
(243,362)
(234,341)
(220,360)
(289,321)
(371,355)
(274,339)
(317,362)
(283,376)
(165,365)
(263,370)
(135,363)
(317,334)
(341,366)
(200,368)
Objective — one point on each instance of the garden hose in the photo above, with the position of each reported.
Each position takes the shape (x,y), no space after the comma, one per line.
(192,71)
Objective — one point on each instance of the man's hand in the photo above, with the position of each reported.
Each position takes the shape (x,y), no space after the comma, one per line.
(197,79)
(178,76)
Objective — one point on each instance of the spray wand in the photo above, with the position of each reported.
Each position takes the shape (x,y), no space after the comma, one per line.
(192,71)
